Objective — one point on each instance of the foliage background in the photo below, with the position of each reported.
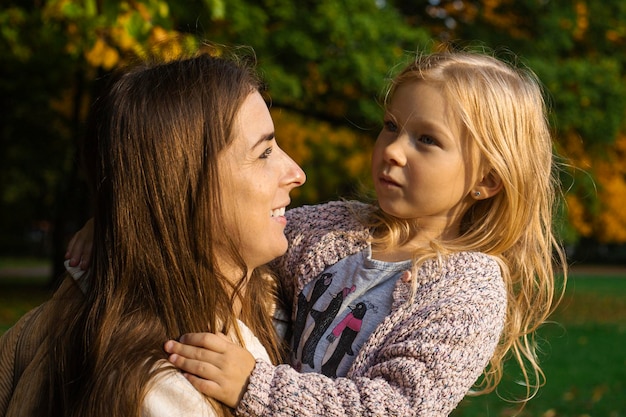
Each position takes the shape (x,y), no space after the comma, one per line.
(327,63)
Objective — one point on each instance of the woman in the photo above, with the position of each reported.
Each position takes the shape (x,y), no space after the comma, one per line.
(190,191)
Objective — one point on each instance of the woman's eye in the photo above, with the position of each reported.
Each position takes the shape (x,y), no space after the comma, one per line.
(266,153)
(390,126)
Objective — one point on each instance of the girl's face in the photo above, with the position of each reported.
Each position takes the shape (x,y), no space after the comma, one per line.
(421,163)
(257,177)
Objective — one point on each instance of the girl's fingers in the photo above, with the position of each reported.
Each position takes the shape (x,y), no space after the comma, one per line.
(68,252)
(80,247)
(213,364)
(205,386)
(194,343)
(197,352)
(189,352)
(213,341)
(71,254)
(200,368)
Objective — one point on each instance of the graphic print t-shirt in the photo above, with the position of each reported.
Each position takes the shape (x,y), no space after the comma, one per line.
(338,311)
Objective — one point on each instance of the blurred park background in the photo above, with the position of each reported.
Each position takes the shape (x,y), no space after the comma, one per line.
(326,63)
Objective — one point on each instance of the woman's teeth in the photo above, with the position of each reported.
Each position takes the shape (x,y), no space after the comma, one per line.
(278,212)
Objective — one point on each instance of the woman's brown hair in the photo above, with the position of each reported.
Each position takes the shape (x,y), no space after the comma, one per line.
(152,151)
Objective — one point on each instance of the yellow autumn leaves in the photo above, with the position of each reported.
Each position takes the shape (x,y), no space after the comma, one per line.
(102,55)
(329,154)
(110,33)
(162,43)
(607,222)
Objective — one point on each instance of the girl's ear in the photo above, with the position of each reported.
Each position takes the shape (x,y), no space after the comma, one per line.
(487,187)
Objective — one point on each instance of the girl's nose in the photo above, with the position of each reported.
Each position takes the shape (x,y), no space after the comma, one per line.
(394,153)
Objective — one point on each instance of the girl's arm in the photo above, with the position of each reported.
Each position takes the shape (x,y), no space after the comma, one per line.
(80,247)
(424,367)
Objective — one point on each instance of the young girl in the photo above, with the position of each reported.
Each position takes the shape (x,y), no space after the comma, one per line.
(400,306)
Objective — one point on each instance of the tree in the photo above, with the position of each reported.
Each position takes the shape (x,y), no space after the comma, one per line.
(327,64)
(331,65)
(54,52)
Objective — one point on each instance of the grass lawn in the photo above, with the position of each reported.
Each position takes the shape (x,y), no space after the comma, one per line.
(22,291)
(584,351)
(584,358)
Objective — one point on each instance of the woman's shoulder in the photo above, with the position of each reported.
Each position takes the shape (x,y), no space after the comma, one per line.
(171,394)
(252,343)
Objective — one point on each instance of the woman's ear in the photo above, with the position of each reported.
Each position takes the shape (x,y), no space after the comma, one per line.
(487,187)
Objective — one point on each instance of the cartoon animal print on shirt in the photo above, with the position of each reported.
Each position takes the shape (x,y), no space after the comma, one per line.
(322,320)
(304,306)
(346,331)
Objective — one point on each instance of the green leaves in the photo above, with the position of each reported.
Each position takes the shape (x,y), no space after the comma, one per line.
(325,57)
(325,60)
(589,96)
(217,8)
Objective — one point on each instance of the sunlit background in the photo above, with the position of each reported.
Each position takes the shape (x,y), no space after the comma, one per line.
(326,63)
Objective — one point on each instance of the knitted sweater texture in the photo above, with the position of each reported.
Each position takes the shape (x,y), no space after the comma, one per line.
(420,361)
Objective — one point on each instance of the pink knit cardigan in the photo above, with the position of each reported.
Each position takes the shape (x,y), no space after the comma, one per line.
(420,361)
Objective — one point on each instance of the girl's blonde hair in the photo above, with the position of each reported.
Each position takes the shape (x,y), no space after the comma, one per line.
(504,114)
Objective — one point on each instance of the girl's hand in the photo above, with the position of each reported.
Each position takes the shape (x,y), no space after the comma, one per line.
(80,246)
(214,365)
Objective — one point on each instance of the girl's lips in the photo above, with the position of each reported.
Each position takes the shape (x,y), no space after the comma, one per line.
(384,180)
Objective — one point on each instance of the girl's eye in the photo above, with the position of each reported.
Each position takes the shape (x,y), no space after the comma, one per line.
(390,126)
(266,153)
(427,140)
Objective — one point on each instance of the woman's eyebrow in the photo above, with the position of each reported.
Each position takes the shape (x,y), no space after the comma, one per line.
(264,138)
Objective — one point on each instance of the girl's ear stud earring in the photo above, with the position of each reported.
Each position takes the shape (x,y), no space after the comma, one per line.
(477,194)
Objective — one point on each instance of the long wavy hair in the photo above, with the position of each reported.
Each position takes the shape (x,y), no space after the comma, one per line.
(153,150)
(503,111)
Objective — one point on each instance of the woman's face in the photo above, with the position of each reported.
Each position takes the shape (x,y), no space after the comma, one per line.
(256,178)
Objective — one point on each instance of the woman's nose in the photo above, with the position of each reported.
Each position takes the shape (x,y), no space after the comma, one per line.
(295,176)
